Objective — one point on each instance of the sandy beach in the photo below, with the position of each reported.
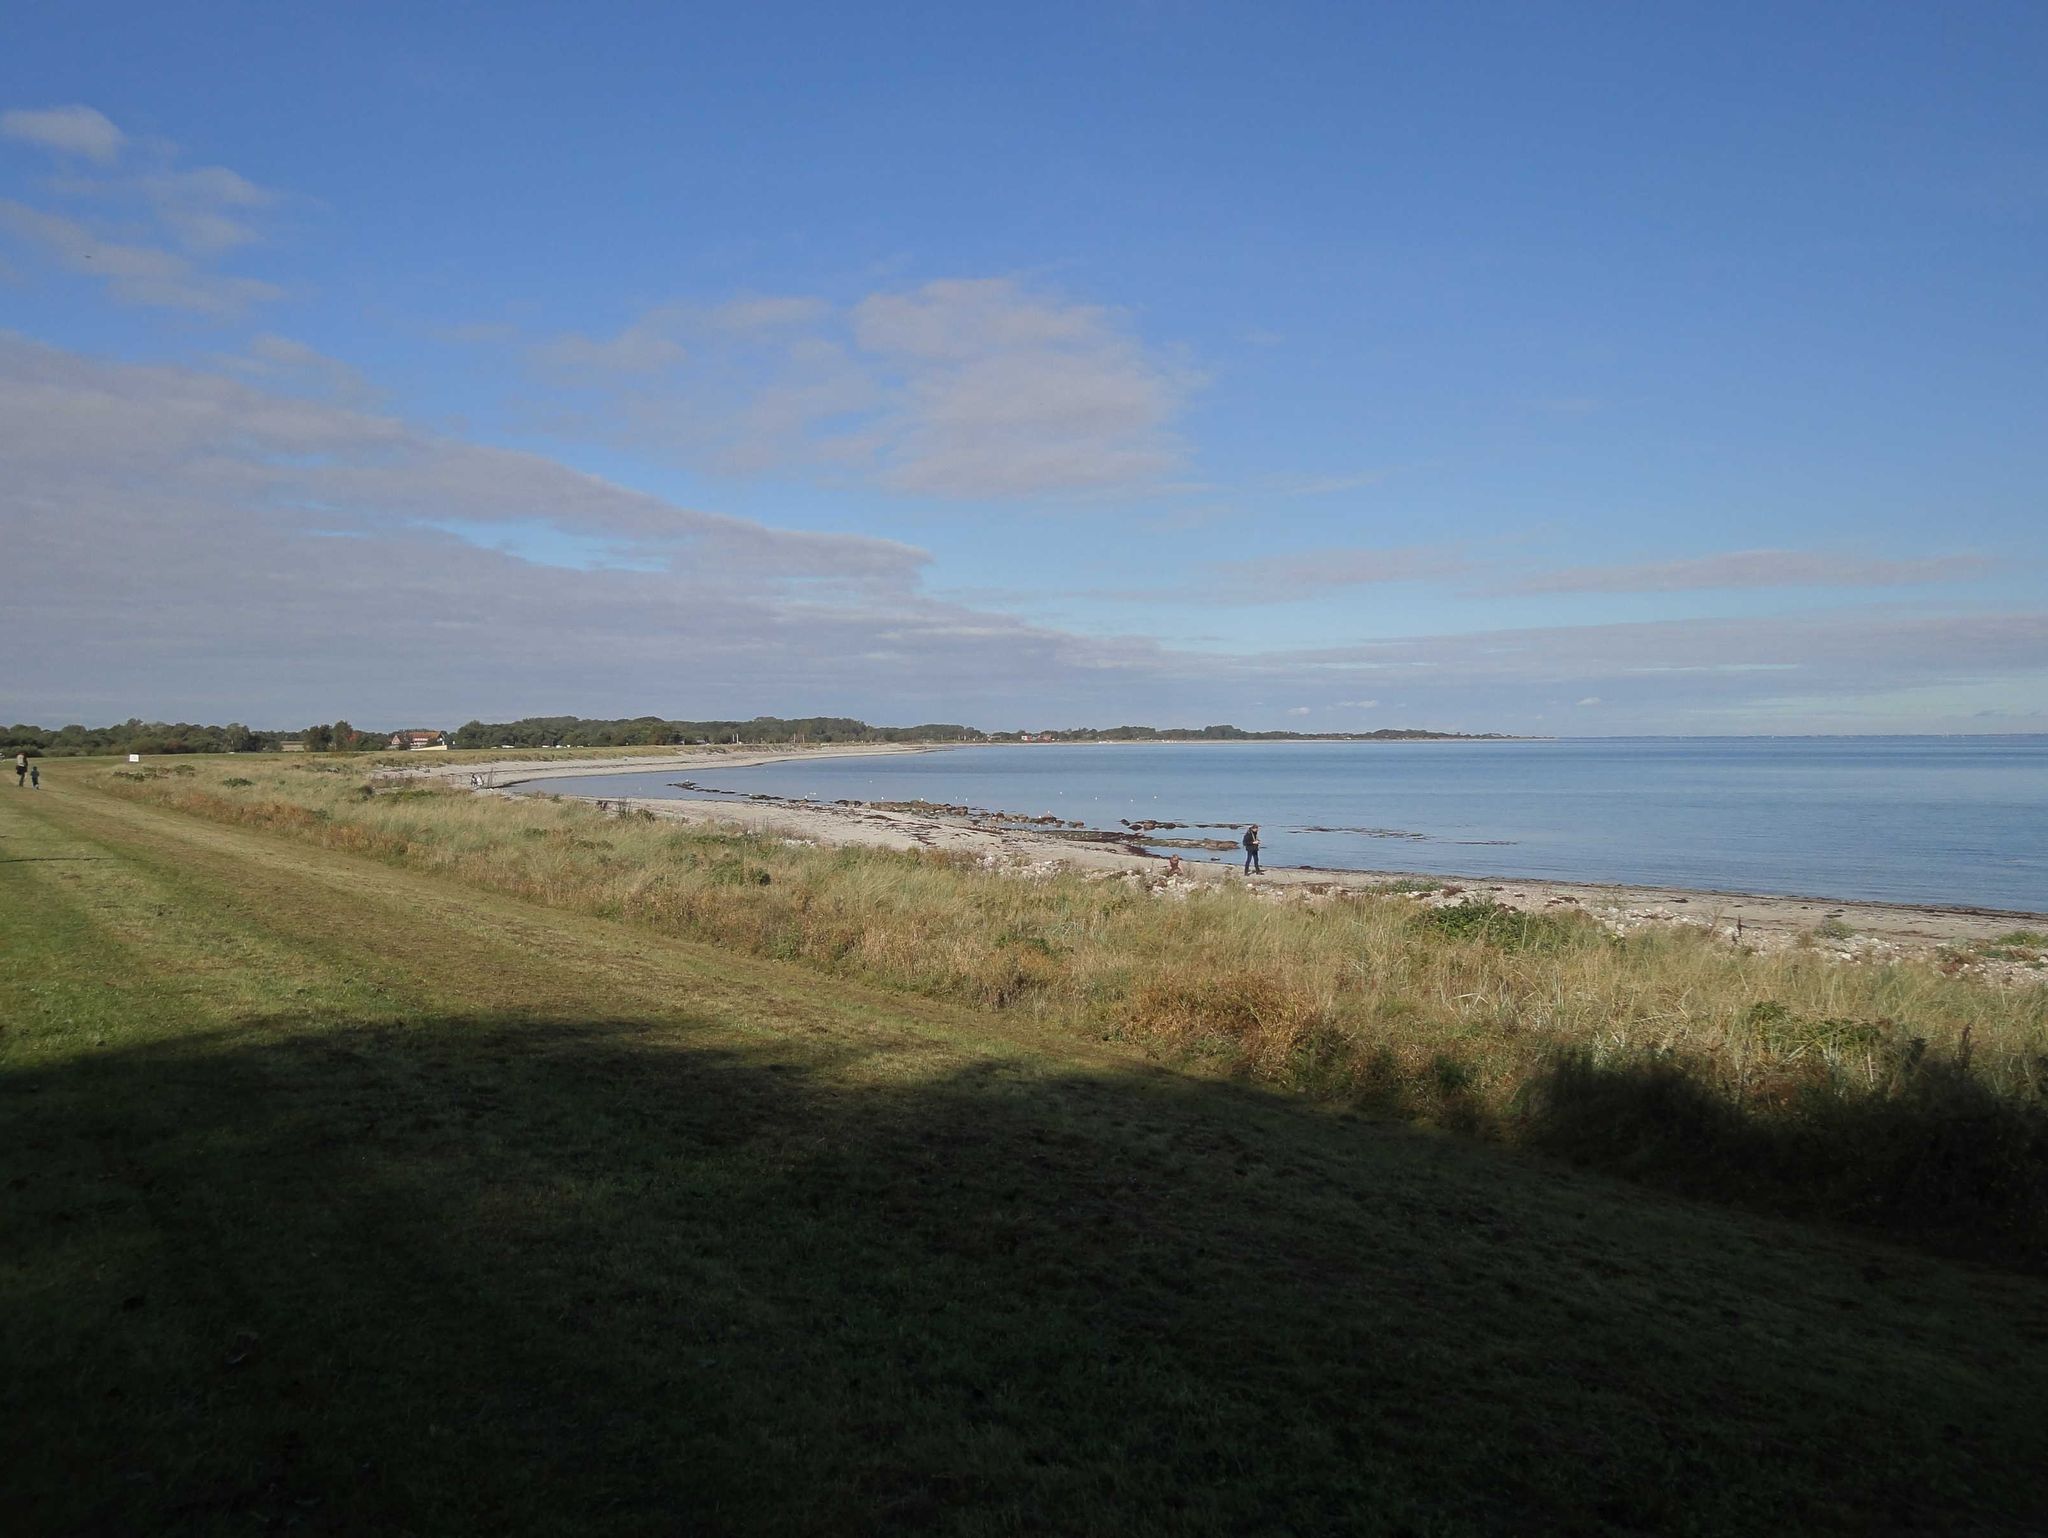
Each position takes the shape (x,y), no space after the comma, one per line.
(1850,930)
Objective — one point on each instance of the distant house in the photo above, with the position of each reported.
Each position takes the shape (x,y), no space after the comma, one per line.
(420,740)
(292,745)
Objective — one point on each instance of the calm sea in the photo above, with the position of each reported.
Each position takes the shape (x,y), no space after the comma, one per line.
(1959,820)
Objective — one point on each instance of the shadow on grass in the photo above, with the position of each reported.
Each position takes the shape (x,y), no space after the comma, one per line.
(475,1275)
(1936,1158)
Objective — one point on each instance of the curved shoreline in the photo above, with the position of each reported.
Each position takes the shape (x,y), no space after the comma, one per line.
(513,772)
(1858,928)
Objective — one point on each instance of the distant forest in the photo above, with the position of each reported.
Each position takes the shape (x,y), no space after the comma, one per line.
(134,736)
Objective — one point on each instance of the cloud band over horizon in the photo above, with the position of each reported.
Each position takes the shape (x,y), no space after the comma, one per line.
(184,542)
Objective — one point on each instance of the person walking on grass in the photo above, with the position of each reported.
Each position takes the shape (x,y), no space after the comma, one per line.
(35,776)
(20,769)
(1251,851)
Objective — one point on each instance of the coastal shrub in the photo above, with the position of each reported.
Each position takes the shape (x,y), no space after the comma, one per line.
(1450,1076)
(732,871)
(1249,1019)
(1509,928)
(1876,1049)
(2017,945)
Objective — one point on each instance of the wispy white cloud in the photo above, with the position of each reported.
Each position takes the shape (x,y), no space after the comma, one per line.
(1297,576)
(74,130)
(1752,569)
(1008,393)
(967,388)
(205,512)
(194,214)
(640,348)
(133,274)
(1325,485)
(1275,578)
(660,339)
(206,209)
(1722,658)
(286,363)
(765,312)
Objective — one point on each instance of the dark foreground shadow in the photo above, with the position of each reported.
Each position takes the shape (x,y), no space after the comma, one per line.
(1937,1159)
(469,1275)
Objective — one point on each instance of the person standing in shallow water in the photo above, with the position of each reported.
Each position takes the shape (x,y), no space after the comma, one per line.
(1251,850)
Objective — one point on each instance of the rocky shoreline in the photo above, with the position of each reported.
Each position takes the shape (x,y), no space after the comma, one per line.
(1978,941)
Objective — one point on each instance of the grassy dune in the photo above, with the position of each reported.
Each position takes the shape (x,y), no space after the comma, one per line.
(344,1197)
(1892,1095)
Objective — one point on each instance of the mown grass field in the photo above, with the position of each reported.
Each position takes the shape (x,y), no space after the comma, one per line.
(374,1192)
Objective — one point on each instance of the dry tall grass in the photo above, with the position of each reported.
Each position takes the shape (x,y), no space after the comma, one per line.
(1888,1093)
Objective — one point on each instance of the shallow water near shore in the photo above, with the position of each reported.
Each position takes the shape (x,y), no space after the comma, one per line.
(1942,820)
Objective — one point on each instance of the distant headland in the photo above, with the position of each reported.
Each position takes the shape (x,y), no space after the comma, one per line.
(137,736)
(652,731)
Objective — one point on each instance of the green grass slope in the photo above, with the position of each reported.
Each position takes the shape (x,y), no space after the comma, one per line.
(1908,1098)
(337,1197)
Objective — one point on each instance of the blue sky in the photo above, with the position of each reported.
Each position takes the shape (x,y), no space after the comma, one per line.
(1574,369)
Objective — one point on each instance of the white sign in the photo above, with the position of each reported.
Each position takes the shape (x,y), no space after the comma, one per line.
(134,758)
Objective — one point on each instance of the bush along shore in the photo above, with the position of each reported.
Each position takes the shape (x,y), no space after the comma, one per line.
(1895,1095)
